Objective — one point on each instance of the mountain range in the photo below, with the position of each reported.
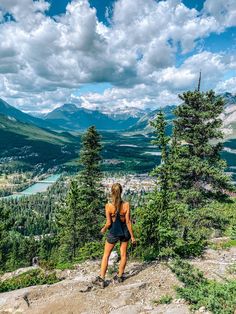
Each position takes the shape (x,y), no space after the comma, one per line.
(69,117)
(54,139)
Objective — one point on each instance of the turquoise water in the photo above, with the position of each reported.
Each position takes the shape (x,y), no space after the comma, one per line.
(40,186)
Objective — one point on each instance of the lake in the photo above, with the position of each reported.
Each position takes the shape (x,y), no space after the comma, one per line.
(40,186)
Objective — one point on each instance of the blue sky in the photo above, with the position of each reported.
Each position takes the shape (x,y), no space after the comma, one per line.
(215,42)
(125,53)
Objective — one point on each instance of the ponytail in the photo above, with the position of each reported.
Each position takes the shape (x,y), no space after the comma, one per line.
(116,191)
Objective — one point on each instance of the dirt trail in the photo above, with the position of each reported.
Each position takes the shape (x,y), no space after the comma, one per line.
(137,294)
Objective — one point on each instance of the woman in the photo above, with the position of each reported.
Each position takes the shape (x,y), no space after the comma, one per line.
(120,229)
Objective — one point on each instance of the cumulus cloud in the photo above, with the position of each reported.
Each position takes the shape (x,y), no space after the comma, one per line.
(223,11)
(227,85)
(44,60)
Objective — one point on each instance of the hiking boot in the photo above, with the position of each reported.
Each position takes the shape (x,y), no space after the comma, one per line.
(99,282)
(118,279)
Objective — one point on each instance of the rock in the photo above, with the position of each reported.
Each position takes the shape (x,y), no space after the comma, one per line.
(202,309)
(171,309)
(132,286)
(113,258)
(178,301)
(128,309)
(121,300)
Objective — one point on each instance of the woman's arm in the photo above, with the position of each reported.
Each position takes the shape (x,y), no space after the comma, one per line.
(108,219)
(129,223)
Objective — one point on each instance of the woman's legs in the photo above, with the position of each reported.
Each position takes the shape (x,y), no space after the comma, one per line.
(123,257)
(107,251)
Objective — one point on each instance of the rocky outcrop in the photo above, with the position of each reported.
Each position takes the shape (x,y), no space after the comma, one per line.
(146,283)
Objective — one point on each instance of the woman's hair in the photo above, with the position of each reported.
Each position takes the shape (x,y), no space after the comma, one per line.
(116,191)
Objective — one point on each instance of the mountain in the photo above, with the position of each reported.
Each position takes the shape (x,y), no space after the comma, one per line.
(230,99)
(228,117)
(71,117)
(125,113)
(30,144)
(142,125)
(10,111)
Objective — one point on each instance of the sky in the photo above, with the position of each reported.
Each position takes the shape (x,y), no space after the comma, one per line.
(114,55)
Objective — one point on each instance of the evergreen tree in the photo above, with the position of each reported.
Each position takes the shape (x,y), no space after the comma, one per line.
(158,217)
(91,195)
(4,234)
(162,171)
(198,164)
(79,220)
(68,221)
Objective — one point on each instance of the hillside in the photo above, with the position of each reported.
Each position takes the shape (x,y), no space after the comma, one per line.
(29,143)
(8,110)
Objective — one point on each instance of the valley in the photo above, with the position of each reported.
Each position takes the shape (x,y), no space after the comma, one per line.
(51,144)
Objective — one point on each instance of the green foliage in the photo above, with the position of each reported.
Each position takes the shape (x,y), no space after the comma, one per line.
(217,297)
(179,215)
(232,268)
(79,219)
(30,278)
(200,169)
(90,251)
(65,265)
(165,299)
(170,230)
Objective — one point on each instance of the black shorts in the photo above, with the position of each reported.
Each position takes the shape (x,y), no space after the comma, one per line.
(114,239)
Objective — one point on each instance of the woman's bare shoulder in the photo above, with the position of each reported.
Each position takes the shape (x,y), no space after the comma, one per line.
(126,205)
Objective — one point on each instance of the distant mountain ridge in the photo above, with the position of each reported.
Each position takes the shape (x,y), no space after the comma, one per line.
(71,117)
(228,117)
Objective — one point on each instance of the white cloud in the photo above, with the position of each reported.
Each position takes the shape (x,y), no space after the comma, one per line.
(227,86)
(223,11)
(44,60)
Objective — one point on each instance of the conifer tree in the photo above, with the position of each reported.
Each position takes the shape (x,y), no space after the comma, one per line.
(4,232)
(79,220)
(158,217)
(67,220)
(91,195)
(162,171)
(199,165)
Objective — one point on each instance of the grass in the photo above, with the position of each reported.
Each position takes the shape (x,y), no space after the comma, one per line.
(165,299)
(223,245)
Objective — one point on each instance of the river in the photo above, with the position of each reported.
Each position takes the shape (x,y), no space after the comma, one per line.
(40,186)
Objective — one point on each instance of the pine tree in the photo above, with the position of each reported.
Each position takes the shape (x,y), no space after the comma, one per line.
(79,220)
(4,235)
(199,167)
(67,221)
(91,195)
(158,217)
(162,171)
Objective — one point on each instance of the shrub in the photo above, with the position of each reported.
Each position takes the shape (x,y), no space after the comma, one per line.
(217,297)
(165,299)
(91,250)
(30,278)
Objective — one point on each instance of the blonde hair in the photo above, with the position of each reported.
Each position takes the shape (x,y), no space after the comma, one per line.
(116,191)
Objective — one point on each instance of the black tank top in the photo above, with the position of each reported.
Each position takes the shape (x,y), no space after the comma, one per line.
(118,227)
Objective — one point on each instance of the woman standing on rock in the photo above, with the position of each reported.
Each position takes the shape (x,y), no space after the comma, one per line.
(120,229)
